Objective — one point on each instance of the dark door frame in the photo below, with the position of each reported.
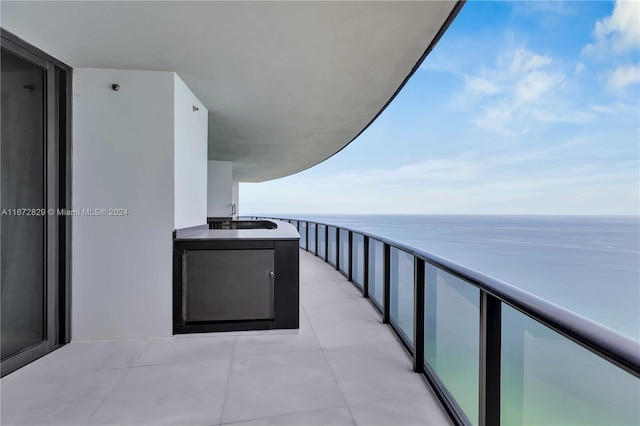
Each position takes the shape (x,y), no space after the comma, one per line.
(58,198)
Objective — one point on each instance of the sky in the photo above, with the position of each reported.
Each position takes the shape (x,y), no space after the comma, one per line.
(522,108)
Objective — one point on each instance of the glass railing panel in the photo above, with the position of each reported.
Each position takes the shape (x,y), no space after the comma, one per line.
(295,223)
(344,251)
(548,379)
(322,244)
(451,347)
(302,229)
(331,246)
(376,271)
(402,291)
(312,237)
(357,269)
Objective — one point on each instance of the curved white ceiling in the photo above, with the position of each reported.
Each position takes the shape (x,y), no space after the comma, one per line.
(287,84)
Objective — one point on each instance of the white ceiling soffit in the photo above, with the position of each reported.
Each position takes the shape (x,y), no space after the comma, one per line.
(287,84)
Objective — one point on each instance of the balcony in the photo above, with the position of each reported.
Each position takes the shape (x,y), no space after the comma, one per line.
(154,153)
(344,367)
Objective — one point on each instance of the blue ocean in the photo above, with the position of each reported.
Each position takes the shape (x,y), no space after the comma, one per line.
(587,264)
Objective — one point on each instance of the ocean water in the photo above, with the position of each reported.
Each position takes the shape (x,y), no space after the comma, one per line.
(587,264)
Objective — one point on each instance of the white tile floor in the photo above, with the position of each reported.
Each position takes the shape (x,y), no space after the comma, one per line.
(344,367)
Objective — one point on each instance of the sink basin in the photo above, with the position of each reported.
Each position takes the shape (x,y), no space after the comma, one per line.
(242,224)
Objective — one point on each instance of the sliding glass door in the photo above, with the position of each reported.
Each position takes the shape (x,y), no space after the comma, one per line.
(32,258)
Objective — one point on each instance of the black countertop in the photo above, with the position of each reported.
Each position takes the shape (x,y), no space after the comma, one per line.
(284,231)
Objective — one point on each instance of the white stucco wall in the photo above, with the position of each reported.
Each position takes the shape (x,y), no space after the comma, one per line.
(219,188)
(190,129)
(235,196)
(123,157)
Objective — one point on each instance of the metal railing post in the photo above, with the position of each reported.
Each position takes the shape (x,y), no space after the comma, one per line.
(365,257)
(490,340)
(350,269)
(418,317)
(306,236)
(337,248)
(326,243)
(386,308)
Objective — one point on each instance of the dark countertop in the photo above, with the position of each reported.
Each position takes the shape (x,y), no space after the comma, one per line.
(284,231)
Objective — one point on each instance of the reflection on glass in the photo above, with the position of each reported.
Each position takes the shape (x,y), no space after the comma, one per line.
(376,271)
(312,237)
(331,246)
(22,256)
(344,251)
(321,240)
(547,379)
(402,292)
(302,229)
(357,269)
(452,309)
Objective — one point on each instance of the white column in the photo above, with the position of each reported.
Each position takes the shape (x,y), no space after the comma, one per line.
(219,189)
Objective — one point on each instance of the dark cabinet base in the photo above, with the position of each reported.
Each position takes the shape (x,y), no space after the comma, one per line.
(217,284)
(228,285)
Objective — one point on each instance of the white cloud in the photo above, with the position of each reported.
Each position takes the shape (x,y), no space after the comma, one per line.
(521,88)
(534,85)
(524,60)
(619,32)
(481,85)
(488,188)
(623,76)
(617,40)
(467,168)
(435,170)
(619,109)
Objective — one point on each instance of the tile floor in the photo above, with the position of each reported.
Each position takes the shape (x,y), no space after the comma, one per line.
(343,367)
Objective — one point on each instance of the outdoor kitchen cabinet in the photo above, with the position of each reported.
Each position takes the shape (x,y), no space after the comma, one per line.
(236,279)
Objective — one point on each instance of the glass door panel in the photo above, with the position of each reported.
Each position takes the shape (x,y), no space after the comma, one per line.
(22,228)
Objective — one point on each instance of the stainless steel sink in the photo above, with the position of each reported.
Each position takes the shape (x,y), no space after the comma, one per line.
(242,224)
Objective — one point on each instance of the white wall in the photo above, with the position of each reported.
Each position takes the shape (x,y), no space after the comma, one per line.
(190,129)
(219,188)
(235,196)
(123,157)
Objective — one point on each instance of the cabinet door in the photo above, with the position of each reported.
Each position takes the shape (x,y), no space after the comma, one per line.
(228,285)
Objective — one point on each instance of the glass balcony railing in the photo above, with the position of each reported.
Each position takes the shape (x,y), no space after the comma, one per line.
(375,269)
(402,297)
(548,379)
(357,260)
(494,354)
(302,229)
(452,340)
(344,253)
(322,241)
(332,246)
(312,235)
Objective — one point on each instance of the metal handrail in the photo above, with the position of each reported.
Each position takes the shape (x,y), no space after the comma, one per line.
(609,344)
